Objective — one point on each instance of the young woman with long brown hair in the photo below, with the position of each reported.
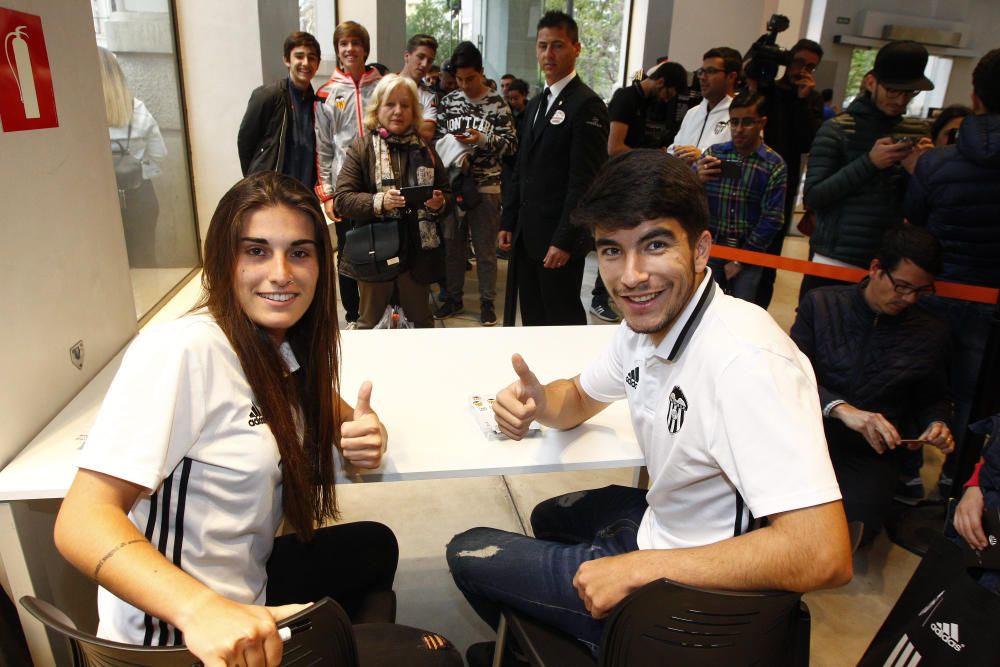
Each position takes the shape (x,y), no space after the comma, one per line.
(216,425)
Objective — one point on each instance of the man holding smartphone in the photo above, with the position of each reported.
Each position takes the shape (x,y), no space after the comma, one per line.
(478,119)
(880,362)
(745,182)
(858,171)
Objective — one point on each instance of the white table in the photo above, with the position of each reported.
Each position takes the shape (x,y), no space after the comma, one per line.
(422,382)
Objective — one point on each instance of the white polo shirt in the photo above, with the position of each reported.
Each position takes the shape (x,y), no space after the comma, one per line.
(180,420)
(725,410)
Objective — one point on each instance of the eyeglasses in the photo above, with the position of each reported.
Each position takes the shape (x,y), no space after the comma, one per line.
(893,92)
(906,289)
(804,65)
(707,71)
(744,122)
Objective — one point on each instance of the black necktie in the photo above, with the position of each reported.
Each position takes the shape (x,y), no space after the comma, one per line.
(543,106)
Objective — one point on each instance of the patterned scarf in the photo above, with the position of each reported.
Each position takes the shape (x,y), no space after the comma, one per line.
(387,179)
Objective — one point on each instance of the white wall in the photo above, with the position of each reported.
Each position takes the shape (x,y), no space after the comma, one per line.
(221,65)
(696,27)
(983,15)
(64,264)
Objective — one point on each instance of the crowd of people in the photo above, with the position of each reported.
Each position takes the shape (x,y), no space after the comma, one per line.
(760,447)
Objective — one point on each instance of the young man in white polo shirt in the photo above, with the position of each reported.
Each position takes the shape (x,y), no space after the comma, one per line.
(742,494)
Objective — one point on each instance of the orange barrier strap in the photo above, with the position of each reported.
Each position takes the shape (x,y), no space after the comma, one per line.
(851,275)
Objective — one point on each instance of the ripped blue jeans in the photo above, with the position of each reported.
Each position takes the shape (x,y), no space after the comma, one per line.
(535,574)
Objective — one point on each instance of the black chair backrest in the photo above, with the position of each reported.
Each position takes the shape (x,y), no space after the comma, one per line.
(321,635)
(667,623)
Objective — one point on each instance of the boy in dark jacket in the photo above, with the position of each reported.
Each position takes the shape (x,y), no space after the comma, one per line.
(277,131)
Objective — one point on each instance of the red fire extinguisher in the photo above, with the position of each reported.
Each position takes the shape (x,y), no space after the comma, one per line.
(20,67)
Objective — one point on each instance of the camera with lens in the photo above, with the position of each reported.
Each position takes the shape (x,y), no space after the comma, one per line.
(765,56)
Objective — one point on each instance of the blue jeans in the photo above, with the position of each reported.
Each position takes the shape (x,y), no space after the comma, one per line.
(534,575)
(743,285)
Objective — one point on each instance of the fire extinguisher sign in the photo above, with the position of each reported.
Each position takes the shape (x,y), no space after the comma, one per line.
(27,99)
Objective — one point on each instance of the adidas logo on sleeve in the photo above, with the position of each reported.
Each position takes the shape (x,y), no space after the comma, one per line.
(256,416)
(632,379)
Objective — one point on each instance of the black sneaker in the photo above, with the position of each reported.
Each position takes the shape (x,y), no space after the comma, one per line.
(604,311)
(447,309)
(487,316)
(909,491)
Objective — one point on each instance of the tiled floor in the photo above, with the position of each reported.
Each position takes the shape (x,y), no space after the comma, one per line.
(425,515)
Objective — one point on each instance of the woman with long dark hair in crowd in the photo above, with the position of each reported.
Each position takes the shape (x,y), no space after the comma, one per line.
(217,425)
(391,156)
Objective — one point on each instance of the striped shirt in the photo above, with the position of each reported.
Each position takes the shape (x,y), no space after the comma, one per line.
(747,212)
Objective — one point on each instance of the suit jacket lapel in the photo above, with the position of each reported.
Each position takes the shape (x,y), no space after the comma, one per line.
(557,104)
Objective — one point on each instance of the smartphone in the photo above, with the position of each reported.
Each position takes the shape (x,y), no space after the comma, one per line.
(906,140)
(465,134)
(730,169)
(913,443)
(416,195)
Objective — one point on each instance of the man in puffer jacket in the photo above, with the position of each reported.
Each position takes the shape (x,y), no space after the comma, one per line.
(955,194)
(880,364)
(860,161)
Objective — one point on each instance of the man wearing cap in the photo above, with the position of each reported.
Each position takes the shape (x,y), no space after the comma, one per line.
(861,160)
(629,106)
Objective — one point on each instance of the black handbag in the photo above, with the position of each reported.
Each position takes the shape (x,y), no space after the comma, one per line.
(942,618)
(373,250)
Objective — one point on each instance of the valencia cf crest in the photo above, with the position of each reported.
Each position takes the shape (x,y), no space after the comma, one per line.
(677,405)
(340,103)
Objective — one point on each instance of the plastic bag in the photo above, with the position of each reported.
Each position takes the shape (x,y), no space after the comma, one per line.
(394,318)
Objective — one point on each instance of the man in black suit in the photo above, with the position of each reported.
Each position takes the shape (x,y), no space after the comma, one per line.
(564,141)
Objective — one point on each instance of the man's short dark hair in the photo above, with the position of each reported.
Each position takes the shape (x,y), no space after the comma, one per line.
(419,40)
(299,38)
(733,61)
(807,45)
(433,69)
(508,76)
(913,243)
(519,85)
(641,185)
(556,19)
(947,115)
(673,74)
(986,81)
(747,100)
(467,55)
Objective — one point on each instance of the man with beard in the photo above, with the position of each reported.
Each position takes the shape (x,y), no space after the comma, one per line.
(725,411)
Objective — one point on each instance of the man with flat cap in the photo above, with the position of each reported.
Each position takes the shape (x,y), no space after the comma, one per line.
(861,161)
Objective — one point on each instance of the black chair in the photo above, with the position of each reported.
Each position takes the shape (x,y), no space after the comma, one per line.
(667,623)
(321,635)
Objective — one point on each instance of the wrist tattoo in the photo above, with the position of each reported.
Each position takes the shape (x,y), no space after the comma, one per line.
(111,553)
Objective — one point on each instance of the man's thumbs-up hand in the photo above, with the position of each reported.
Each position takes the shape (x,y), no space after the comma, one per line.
(363,438)
(518,403)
